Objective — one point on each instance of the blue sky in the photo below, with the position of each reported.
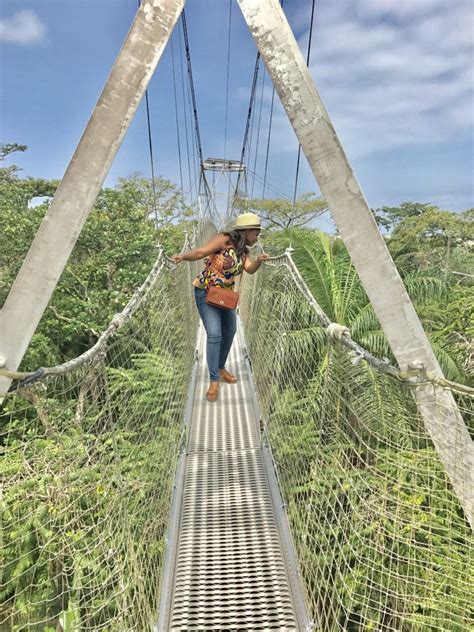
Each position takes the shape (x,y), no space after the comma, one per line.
(395,75)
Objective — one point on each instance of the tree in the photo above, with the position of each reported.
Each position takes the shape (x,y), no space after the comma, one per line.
(9,173)
(388,217)
(428,240)
(170,205)
(282,213)
(327,269)
(111,258)
(366,493)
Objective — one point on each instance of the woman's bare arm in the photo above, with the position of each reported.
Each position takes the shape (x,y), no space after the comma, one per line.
(252,266)
(213,245)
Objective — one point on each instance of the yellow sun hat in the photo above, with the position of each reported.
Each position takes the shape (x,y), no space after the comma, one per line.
(246,221)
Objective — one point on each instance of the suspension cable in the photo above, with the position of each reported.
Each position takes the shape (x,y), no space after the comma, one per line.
(251,133)
(227,81)
(177,118)
(150,149)
(191,85)
(269,133)
(190,179)
(150,146)
(195,160)
(247,125)
(201,171)
(308,54)
(268,143)
(258,131)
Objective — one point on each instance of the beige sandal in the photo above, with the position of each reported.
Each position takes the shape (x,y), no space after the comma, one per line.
(225,376)
(212,392)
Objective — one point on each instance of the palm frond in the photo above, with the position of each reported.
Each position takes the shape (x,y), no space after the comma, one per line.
(375,342)
(311,267)
(365,320)
(421,287)
(447,361)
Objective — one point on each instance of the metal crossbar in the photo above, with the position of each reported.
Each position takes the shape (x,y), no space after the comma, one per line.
(232,564)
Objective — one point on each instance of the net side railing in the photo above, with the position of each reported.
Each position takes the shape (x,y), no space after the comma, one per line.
(381,538)
(89,452)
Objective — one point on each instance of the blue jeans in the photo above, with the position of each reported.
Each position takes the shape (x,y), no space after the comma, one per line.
(220,326)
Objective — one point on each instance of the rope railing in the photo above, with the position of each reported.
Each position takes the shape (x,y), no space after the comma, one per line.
(90,449)
(117,321)
(416,374)
(335,331)
(89,452)
(381,537)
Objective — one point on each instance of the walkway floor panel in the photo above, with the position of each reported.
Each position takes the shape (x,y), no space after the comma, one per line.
(230,570)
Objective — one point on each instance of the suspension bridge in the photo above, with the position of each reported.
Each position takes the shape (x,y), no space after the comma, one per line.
(326,490)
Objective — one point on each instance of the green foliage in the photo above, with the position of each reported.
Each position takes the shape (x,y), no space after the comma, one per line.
(88,459)
(388,217)
(8,174)
(281,213)
(326,267)
(385,547)
(52,517)
(159,369)
(158,199)
(381,539)
(111,258)
(426,241)
(84,523)
(172,236)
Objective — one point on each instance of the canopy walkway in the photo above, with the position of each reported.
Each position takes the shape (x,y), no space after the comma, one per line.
(309,496)
(326,489)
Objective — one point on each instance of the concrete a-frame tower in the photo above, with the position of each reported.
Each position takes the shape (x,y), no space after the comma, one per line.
(285,64)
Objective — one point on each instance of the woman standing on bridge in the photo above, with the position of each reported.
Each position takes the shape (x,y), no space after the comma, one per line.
(226,257)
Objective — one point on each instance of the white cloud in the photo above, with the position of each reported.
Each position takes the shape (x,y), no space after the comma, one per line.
(23,27)
(401,9)
(393,72)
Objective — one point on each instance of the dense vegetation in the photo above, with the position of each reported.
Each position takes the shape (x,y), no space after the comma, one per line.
(84,453)
(113,255)
(60,448)
(434,253)
(382,541)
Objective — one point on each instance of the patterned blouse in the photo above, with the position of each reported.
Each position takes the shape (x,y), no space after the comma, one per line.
(221,269)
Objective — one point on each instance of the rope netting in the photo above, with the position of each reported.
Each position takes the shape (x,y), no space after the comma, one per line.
(90,451)
(88,466)
(381,537)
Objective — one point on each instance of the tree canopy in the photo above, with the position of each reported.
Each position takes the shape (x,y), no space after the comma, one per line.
(112,256)
(281,213)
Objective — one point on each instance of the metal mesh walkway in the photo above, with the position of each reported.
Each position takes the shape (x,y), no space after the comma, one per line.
(232,561)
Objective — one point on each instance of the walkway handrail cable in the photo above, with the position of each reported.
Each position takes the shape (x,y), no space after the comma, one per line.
(116,322)
(415,375)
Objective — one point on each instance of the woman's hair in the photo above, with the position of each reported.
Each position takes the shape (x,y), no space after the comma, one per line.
(238,239)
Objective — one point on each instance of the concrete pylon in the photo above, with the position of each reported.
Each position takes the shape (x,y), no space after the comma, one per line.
(75,197)
(295,86)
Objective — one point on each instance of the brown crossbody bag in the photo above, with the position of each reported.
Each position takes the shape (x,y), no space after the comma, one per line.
(222,298)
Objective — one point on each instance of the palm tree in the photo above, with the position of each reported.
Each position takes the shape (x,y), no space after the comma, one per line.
(327,269)
(364,487)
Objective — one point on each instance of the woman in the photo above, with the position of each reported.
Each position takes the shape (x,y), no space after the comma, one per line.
(226,257)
